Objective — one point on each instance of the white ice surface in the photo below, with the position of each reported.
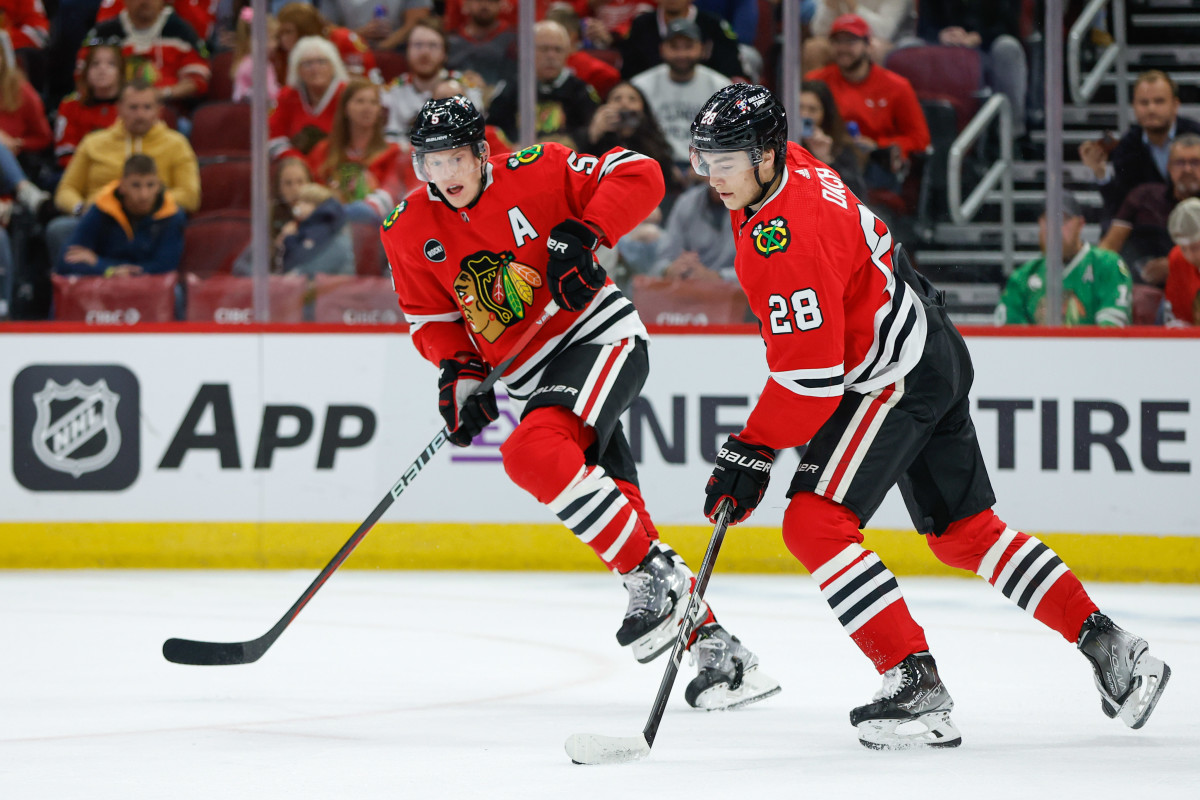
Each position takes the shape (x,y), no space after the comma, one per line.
(465,685)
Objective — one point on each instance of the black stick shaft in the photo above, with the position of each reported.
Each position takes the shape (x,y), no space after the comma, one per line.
(685,630)
(187,651)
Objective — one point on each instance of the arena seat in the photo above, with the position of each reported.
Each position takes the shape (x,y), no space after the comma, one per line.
(391,64)
(220,85)
(212,243)
(369,258)
(1146,303)
(225,185)
(230,301)
(355,300)
(668,301)
(115,301)
(221,129)
(937,72)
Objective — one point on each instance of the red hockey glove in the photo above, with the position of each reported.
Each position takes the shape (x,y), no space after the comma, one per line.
(466,412)
(741,473)
(572,272)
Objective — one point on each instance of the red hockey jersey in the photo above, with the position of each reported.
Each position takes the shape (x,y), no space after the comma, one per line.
(816,266)
(474,279)
(77,119)
(26,23)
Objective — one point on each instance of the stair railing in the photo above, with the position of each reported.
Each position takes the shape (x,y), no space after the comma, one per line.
(1082,87)
(996,109)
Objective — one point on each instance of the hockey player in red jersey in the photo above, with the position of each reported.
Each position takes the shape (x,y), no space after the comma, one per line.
(477,254)
(868,371)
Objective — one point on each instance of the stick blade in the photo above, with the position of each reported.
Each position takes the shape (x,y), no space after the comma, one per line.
(590,748)
(208,654)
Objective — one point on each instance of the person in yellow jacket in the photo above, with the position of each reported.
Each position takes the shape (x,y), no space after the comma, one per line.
(100,159)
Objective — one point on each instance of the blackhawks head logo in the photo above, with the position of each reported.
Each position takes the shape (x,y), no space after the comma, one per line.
(526,156)
(493,291)
(771,237)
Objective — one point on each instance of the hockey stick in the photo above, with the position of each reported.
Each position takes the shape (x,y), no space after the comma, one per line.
(591,748)
(188,651)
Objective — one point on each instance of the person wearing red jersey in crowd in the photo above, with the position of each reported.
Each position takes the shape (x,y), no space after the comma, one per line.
(458,11)
(304,112)
(1183,265)
(94,105)
(867,369)
(298,20)
(26,23)
(159,47)
(881,103)
(477,256)
(200,14)
(595,72)
(23,128)
(367,173)
(426,56)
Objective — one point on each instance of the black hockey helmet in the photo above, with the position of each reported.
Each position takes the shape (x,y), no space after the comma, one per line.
(741,116)
(446,124)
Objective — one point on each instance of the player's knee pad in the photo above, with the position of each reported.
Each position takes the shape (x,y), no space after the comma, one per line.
(815,529)
(967,541)
(545,453)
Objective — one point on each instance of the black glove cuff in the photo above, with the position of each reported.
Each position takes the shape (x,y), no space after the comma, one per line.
(573,227)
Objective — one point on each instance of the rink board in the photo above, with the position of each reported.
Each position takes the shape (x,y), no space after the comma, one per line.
(206,447)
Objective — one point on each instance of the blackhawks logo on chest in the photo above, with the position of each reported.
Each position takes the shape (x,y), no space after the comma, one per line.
(493,291)
(771,237)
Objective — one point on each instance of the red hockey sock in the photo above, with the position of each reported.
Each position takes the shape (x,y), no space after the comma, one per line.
(862,592)
(544,456)
(1024,569)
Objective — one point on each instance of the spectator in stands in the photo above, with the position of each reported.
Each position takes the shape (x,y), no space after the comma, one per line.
(993,28)
(306,106)
(300,20)
(200,14)
(497,142)
(742,16)
(26,23)
(597,73)
(367,173)
(879,103)
(829,140)
(484,44)
(1140,156)
(100,158)
(610,20)
(697,243)
(1139,229)
(133,228)
(1097,287)
(316,240)
(641,50)
(23,128)
(159,48)
(888,21)
(677,88)
(242,69)
(456,11)
(628,121)
(94,104)
(426,56)
(565,104)
(381,31)
(1183,272)
(291,175)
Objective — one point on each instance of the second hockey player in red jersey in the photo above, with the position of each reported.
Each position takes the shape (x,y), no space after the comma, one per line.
(868,371)
(476,256)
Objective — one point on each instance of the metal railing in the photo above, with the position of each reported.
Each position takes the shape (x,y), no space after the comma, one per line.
(1084,87)
(962,211)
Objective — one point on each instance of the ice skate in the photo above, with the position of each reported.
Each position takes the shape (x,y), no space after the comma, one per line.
(658,597)
(911,710)
(1129,679)
(729,676)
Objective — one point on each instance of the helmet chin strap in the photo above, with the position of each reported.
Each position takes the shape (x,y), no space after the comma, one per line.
(763,188)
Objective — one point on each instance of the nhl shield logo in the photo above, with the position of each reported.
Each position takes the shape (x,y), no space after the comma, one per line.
(76,427)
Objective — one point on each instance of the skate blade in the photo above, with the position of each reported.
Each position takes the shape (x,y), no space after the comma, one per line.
(590,748)
(1152,675)
(935,729)
(756,685)
(660,640)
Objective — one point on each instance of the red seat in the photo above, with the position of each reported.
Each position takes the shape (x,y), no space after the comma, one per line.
(667,301)
(212,243)
(230,301)
(352,300)
(954,74)
(391,63)
(369,259)
(220,85)
(115,301)
(1146,302)
(225,185)
(221,129)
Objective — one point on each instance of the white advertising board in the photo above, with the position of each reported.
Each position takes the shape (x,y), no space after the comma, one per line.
(1080,434)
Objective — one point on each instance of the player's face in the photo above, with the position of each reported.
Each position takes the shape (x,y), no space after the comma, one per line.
(455,172)
(730,174)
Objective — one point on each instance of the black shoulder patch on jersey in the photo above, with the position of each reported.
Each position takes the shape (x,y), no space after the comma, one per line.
(526,156)
(771,237)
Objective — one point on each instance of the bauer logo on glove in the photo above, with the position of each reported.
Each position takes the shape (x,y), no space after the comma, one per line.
(572,272)
(741,474)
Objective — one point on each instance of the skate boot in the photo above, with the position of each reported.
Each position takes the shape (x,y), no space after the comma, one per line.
(1129,679)
(659,590)
(729,676)
(911,710)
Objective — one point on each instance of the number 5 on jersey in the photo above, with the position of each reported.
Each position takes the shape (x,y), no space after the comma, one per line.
(802,308)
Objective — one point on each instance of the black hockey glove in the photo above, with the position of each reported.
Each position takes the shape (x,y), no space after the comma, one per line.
(572,272)
(741,473)
(466,413)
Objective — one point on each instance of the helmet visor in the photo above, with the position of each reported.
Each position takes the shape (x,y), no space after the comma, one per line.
(723,163)
(448,166)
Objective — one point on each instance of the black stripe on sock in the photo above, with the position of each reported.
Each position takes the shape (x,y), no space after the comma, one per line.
(1043,573)
(856,584)
(1022,568)
(861,605)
